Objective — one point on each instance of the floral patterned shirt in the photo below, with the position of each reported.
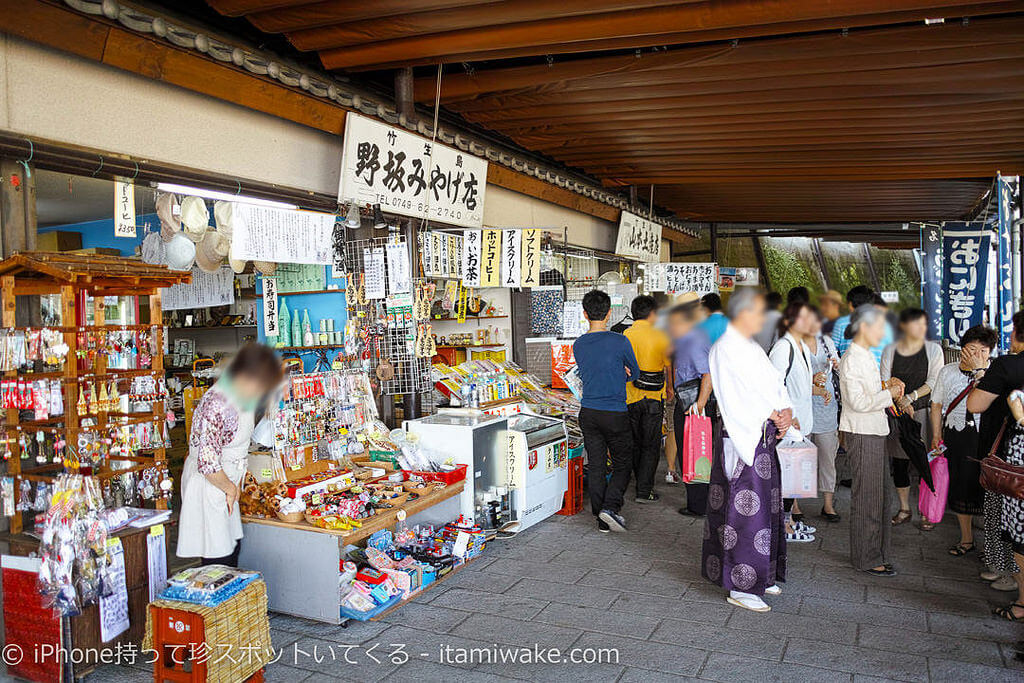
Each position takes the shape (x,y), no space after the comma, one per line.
(214,425)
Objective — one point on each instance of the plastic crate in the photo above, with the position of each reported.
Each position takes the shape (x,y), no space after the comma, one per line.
(28,624)
(447,478)
(576,452)
(347,613)
(572,501)
(179,643)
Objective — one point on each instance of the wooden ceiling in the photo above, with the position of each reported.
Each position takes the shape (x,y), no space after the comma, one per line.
(738,110)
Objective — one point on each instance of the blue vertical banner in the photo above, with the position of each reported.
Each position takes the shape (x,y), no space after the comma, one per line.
(931,272)
(1004,272)
(965,249)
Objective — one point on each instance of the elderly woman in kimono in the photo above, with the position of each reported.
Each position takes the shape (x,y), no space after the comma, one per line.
(744,535)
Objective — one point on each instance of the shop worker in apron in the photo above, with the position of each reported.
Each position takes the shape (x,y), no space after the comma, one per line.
(210,526)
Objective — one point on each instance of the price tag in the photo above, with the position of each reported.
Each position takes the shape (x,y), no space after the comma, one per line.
(266,473)
(156,530)
(461,544)
(401,515)
(315,499)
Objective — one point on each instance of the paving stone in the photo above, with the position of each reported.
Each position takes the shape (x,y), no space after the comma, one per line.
(781,624)
(516,607)
(280,673)
(479,564)
(489,582)
(682,610)
(788,602)
(417,671)
(599,620)
(631,583)
(896,665)
(921,600)
(516,633)
(835,589)
(600,560)
(725,667)
(427,617)
(903,580)
(949,670)
(930,645)
(424,646)
(960,588)
(643,654)
(633,675)
(679,571)
(340,661)
(576,594)
(867,613)
(280,638)
(538,570)
(578,673)
(984,628)
(114,674)
(767,645)
(355,632)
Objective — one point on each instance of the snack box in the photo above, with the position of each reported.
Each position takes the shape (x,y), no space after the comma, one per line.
(319,483)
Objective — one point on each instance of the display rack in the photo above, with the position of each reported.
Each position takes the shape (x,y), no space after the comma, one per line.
(75,277)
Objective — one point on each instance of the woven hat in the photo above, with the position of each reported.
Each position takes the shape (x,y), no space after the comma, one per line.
(153,249)
(180,253)
(170,225)
(238,265)
(224,217)
(210,251)
(686,299)
(265,267)
(195,217)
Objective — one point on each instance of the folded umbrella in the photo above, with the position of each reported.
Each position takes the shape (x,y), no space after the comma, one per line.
(909,432)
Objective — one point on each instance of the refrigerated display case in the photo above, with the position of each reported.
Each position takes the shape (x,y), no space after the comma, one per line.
(536,466)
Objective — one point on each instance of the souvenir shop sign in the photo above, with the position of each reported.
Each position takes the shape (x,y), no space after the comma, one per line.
(490,260)
(263,233)
(206,289)
(965,250)
(409,175)
(682,277)
(1004,272)
(124,209)
(931,269)
(531,257)
(638,237)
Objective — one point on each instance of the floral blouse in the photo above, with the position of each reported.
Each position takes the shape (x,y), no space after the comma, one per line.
(214,425)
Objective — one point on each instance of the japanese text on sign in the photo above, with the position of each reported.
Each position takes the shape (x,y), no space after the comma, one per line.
(399,273)
(263,233)
(531,257)
(490,269)
(205,289)
(270,312)
(638,237)
(1004,272)
(511,250)
(373,265)
(682,277)
(409,175)
(124,209)
(965,252)
(471,252)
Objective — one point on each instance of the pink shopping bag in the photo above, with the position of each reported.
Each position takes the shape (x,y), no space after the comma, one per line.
(696,458)
(799,463)
(932,504)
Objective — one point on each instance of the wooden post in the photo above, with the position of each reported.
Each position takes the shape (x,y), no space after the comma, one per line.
(69,320)
(17,208)
(14,464)
(158,408)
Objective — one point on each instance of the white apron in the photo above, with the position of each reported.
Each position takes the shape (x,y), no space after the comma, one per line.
(206,528)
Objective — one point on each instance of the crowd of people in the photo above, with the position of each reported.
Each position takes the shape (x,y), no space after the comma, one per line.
(846,374)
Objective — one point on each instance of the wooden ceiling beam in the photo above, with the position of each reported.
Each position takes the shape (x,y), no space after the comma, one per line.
(756,174)
(307,15)
(702,21)
(238,8)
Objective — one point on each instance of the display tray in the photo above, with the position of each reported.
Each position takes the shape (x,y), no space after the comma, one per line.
(379,521)
(389,607)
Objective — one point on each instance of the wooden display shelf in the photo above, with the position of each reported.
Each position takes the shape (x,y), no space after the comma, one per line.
(382,520)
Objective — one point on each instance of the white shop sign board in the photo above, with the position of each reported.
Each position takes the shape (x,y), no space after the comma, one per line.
(638,237)
(410,175)
(701,278)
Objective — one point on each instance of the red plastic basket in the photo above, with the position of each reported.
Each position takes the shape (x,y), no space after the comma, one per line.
(447,478)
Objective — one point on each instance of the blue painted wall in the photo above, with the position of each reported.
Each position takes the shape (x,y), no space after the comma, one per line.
(325,305)
(100,234)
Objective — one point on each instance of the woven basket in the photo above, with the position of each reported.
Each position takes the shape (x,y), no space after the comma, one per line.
(291,517)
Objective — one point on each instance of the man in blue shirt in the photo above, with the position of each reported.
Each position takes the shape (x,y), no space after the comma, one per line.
(606,362)
(715,322)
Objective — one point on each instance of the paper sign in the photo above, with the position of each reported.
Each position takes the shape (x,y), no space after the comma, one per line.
(263,233)
(435,252)
(271,327)
(205,290)
(490,259)
(427,253)
(891,297)
(114,607)
(471,254)
(410,175)
(511,261)
(156,550)
(399,275)
(454,255)
(373,265)
(574,323)
(531,257)
(681,277)
(638,237)
(461,545)
(124,209)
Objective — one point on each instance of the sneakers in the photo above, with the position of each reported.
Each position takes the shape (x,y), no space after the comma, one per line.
(651,497)
(799,537)
(614,520)
(602,526)
(1004,583)
(673,478)
(800,526)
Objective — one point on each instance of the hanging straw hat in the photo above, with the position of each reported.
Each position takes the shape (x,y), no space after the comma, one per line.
(195,217)
(170,225)
(210,252)
(154,250)
(238,265)
(180,253)
(265,267)
(224,217)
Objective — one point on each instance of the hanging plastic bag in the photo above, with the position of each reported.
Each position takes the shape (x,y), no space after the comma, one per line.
(932,503)
(798,461)
(696,458)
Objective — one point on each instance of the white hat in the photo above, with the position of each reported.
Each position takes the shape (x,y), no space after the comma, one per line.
(224,216)
(210,252)
(238,265)
(195,217)
(180,253)
(266,267)
(153,249)
(169,223)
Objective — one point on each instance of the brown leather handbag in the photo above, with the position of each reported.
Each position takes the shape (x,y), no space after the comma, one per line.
(999,476)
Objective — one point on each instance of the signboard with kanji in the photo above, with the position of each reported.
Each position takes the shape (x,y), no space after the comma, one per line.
(638,237)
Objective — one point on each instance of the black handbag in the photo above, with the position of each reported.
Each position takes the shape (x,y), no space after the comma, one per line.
(650,381)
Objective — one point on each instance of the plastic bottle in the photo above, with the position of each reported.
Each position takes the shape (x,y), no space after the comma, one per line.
(307,329)
(296,329)
(284,323)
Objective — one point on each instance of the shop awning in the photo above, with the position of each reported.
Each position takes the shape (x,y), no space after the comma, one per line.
(743,110)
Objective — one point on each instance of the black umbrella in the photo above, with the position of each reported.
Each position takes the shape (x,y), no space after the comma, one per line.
(909,432)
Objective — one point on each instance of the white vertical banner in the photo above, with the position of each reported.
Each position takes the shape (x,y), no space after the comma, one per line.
(124,209)
(445,255)
(490,269)
(156,552)
(271,324)
(427,253)
(399,276)
(511,258)
(457,260)
(471,253)
(373,266)
(530,257)
(435,253)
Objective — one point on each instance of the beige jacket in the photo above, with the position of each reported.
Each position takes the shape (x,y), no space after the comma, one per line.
(864,399)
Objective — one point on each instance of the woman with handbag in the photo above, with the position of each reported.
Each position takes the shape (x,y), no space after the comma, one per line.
(955,429)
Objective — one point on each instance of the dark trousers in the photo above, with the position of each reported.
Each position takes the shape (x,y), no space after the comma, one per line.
(696,493)
(645,419)
(228,560)
(607,434)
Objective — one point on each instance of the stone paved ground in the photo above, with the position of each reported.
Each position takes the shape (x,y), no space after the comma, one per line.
(562,584)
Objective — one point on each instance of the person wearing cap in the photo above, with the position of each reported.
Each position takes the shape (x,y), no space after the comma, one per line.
(830,304)
(744,548)
(865,429)
(715,322)
(692,382)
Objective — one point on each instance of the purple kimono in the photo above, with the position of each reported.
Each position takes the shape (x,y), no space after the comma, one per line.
(744,535)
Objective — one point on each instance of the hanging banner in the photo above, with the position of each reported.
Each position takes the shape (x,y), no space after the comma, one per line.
(511,258)
(1004,271)
(427,253)
(490,259)
(965,248)
(435,253)
(409,175)
(205,290)
(263,233)
(113,609)
(931,276)
(124,209)
(373,265)
(701,278)
(442,239)
(471,253)
(638,237)
(399,276)
(531,257)
(454,256)
(270,313)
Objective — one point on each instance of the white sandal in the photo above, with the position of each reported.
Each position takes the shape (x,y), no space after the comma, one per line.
(773,590)
(747,601)
(799,537)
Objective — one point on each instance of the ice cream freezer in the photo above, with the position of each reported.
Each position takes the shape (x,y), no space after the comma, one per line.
(536,465)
